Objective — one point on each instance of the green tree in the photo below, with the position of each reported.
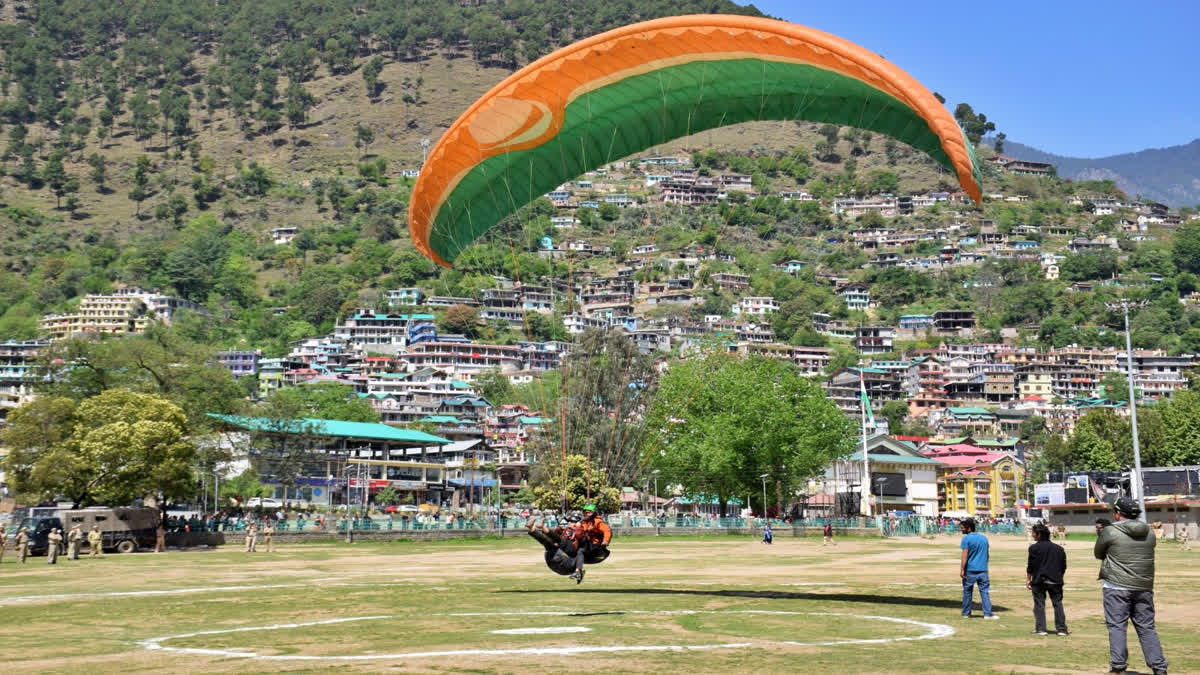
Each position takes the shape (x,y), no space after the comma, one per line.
(55,176)
(244,486)
(460,319)
(141,182)
(370,73)
(607,386)
(896,413)
(574,483)
(99,170)
(495,387)
(388,495)
(1115,386)
(723,421)
(364,136)
(974,125)
(160,362)
(1181,430)
(325,400)
(122,446)
(1185,251)
(1101,442)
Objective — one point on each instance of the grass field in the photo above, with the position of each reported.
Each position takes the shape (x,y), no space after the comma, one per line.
(698,604)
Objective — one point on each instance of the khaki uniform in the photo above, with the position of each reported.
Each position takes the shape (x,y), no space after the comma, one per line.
(251,538)
(74,539)
(53,541)
(3,542)
(22,544)
(269,538)
(160,539)
(95,542)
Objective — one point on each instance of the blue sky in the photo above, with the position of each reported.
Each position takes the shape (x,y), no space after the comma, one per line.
(1084,79)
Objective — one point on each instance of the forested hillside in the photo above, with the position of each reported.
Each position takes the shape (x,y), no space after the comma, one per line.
(157,143)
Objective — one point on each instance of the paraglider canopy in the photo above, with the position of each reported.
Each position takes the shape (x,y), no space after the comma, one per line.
(619,92)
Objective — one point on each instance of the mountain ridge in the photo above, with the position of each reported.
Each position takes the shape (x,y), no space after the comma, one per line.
(1170,175)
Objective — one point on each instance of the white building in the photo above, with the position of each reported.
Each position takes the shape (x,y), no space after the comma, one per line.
(909,480)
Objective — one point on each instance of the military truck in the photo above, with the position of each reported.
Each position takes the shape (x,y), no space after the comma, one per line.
(125,529)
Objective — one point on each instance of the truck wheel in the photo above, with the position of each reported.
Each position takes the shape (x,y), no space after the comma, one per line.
(126,546)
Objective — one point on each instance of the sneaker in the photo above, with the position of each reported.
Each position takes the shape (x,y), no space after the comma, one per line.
(1116,670)
(578,577)
(966,616)
(1039,632)
(1063,633)
(992,617)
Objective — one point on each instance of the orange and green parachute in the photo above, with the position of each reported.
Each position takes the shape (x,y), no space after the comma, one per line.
(620,92)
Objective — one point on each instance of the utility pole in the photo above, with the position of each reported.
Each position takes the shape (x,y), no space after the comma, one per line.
(764,485)
(1135,483)
(657,519)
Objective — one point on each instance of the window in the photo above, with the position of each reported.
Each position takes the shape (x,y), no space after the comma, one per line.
(77,519)
(101,519)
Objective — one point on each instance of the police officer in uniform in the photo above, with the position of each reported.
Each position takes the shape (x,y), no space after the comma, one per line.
(74,539)
(160,539)
(22,544)
(3,541)
(251,537)
(95,541)
(53,541)
(269,536)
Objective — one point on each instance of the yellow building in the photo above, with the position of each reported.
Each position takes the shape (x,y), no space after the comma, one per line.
(976,482)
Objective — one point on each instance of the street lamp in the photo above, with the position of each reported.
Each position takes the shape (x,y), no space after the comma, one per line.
(764,485)
(657,519)
(1135,485)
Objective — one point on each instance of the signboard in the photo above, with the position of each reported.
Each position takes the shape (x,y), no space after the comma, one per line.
(407,484)
(892,484)
(1049,493)
(373,483)
(1077,481)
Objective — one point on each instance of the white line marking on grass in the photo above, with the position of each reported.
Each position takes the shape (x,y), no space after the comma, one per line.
(546,630)
(933,631)
(22,599)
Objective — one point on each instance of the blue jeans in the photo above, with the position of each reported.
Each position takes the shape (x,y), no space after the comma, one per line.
(985,597)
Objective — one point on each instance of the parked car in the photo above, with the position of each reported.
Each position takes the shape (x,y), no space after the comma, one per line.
(265,502)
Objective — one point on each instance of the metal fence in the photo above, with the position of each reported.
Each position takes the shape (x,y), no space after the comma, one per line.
(891,527)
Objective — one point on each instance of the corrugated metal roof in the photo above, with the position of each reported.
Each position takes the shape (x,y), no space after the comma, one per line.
(334,428)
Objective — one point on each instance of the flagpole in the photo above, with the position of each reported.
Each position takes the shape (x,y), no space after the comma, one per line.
(862,385)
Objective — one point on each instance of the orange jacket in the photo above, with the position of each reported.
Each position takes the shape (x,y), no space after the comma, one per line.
(597,530)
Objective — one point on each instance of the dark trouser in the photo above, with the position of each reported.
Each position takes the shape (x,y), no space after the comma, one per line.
(547,540)
(1055,591)
(1120,607)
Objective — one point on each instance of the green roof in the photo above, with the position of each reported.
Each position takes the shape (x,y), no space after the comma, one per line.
(948,441)
(459,384)
(535,420)
(334,428)
(969,411)
(1006,443)
(442,419)
(895,459)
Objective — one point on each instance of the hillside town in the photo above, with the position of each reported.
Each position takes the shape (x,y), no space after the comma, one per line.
(970,396)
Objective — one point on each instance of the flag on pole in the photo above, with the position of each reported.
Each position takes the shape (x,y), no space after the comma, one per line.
(868,414)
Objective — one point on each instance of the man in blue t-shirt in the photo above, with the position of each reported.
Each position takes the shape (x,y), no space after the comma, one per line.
(974,569)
